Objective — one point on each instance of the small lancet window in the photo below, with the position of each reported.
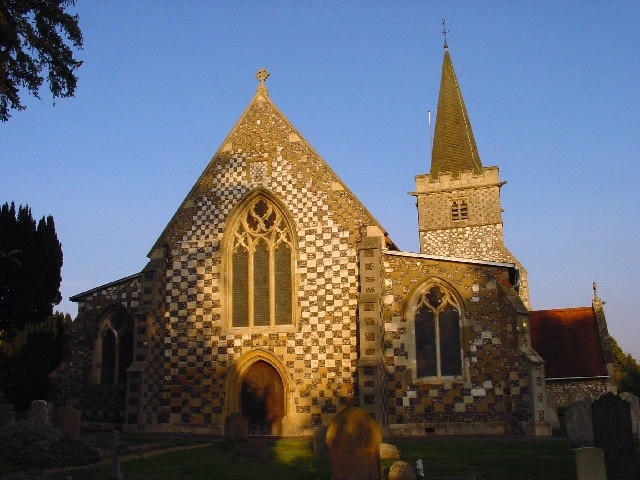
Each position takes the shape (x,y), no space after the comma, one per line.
(261,267)
(115,349)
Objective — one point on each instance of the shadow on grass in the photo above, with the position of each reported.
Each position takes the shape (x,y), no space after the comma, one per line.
(264,459)
(284,459)
(294,459)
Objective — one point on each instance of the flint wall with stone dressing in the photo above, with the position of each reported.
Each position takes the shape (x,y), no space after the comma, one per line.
(476,235)
(562,393)
(74,381)
(493,383)
(351,338)
(197,350)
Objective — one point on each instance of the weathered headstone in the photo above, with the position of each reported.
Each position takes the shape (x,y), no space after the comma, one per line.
(551,415)
(236,427)
(401,470)
(354,440)
(67,420)
(590,464)
(579,424)
(634,404)
(39,412)
(320,446)
(7,412)
(612,428)
(389,451)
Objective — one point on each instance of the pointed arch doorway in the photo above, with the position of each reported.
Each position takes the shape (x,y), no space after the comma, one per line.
(262,399)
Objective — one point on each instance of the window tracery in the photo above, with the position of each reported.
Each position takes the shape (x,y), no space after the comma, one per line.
(261,267)
(114,349)
(437,333)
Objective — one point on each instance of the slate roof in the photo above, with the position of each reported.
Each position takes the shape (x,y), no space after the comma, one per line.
(454,147)
(569,342)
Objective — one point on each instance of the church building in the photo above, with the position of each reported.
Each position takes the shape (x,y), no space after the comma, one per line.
(274,293)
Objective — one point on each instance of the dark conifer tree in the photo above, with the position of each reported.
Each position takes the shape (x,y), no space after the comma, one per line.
(30,264)
(31,335)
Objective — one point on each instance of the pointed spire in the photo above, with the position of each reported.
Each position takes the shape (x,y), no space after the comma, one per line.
(454,147)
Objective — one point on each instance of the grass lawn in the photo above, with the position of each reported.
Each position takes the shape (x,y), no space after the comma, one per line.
(293,459)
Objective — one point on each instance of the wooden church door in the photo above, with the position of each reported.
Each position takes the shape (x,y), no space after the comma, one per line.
(262,399)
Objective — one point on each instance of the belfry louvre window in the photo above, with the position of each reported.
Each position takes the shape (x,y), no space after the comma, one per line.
(437,327)
(459,210)
(261,267)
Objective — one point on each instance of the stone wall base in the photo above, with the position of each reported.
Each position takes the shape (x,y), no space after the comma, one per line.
(454,428)
(536,429)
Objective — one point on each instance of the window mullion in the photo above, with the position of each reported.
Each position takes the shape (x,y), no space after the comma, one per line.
(116,360)
(251,248)
(272,284)
(437,342)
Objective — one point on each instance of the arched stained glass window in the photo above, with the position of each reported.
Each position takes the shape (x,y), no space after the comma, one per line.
(437,327)
(261,267)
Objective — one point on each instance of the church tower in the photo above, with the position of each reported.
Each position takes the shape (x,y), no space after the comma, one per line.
(459,211)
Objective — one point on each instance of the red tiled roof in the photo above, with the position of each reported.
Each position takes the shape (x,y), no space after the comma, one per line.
(568,341)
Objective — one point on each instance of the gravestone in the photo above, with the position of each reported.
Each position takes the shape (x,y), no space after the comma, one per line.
(389,452)
(236,427)
(579,424)
(320,446)
(39,412)
(354,440)
(402,471)
(67,420)
(7,412)
(634,404)
(551,415)
(612,429)
(590,464)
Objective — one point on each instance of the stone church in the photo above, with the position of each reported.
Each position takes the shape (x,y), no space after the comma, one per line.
(275,294)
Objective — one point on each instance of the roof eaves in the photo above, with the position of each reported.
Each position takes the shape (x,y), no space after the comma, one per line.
(79,296)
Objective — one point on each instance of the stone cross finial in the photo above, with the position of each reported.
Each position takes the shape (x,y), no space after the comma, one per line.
(262,75)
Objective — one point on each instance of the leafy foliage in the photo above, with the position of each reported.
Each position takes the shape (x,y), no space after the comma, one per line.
(41,446)
(33,44)
(626,369)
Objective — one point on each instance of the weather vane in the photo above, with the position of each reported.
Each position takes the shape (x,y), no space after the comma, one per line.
(444,32)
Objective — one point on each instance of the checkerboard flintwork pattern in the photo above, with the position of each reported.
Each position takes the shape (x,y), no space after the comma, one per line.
(74,385)
(352,341)
(490,386)
(199,348)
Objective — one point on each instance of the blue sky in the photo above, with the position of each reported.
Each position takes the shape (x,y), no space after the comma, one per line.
(552,90)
